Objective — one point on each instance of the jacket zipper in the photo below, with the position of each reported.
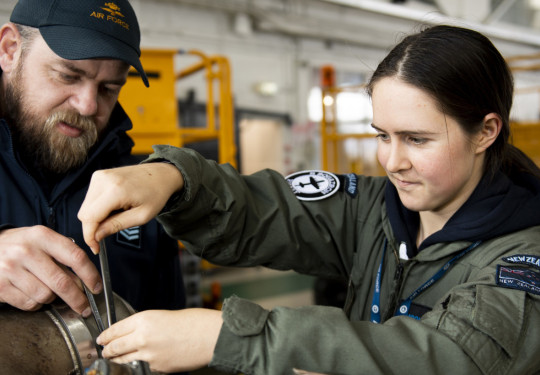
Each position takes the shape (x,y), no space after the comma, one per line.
(398,279)
(51,220)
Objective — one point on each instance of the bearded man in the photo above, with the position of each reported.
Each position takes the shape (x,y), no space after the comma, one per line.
(62,66)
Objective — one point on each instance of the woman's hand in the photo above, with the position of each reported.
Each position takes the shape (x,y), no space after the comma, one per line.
(124,197)
(169,341)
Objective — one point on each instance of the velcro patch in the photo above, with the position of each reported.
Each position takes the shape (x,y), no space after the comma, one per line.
(313,185)
(529,260)
(130,236)
(518,278)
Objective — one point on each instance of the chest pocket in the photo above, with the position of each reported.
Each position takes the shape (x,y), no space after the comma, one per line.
(488,323)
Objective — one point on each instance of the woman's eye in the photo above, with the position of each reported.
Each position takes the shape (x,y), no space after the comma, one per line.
(417,141)
(382,137)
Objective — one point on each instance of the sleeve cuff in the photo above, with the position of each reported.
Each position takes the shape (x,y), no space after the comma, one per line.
(242,317)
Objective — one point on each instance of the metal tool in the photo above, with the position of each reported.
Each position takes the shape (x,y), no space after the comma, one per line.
(93,304)
(107,288)
(107,291)
(95,310)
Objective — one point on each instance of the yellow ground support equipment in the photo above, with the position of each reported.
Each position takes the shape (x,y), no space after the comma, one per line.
(154,110)
(526,137)
(334,157)
(526,134)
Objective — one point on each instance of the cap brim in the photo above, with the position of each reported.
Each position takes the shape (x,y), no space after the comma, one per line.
(76,43)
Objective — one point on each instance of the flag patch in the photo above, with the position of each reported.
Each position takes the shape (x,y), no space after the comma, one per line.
(518,278)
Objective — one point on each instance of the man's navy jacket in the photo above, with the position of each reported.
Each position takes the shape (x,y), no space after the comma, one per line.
(143,261)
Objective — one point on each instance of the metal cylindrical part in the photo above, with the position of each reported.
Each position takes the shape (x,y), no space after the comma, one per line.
(32,344)
(52,341)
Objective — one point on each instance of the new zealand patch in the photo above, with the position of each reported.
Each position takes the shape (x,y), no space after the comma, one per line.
(130,236)
(518,278)
(313,185)
(529,260)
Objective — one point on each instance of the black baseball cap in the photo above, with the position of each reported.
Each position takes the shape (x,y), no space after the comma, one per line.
(85,29)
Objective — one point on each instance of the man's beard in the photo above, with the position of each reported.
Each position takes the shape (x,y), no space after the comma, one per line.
(37,138)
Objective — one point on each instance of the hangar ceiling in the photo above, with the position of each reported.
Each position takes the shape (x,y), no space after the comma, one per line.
(514,21)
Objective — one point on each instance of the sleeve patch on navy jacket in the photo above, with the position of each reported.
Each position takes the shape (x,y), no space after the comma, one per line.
(518,278)
(130,236)
(313,185)
(349,183)
(529,260)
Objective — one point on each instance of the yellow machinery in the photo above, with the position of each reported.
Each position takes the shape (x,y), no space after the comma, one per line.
(526,135)
(334,155)
(154,110)
(523,63)
(336,146)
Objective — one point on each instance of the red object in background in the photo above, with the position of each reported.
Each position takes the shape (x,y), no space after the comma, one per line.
(328,76)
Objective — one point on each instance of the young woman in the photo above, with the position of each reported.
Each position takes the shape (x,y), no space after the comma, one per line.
(442,256)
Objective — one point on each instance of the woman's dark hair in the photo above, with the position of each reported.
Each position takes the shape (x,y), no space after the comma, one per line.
(468,78)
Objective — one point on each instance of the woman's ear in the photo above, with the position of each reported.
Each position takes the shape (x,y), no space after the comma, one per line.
(10,47)
(491,128)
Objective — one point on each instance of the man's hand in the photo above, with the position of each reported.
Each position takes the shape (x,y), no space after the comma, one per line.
(169,341)
(33,271)
(124,197)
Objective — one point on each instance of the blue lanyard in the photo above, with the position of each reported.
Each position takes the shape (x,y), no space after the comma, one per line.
(405,306)
(375,304)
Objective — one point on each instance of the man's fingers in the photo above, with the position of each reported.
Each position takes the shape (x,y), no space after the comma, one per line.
(70,255)
(13,294)
(36,266)
(51,268)
(30,292)
(62,284)
(23,302)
